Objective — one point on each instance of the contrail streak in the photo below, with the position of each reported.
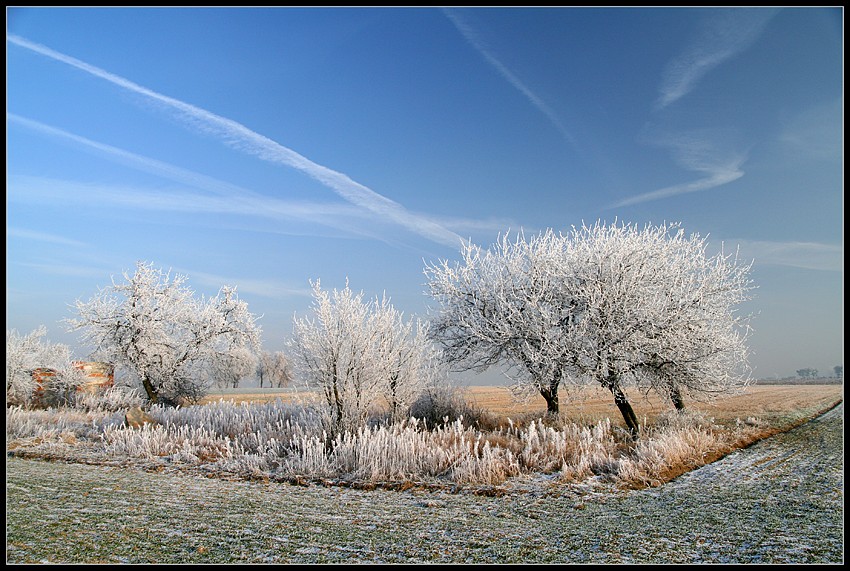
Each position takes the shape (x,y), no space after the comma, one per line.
(470,36)
(244,139)
(725,34)
(806,255)
(716,179)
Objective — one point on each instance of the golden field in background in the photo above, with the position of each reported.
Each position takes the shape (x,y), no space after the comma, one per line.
(591,404)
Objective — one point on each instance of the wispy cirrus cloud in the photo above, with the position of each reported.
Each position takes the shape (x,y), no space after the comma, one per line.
(218,197)
(474,39)
(816,134)
(136,161)
(43,237)
(239,137)
(706,152)
(64,269)
(267,288)
(804,255)
(273,289)
(474,225)
(345,219)
(723,35)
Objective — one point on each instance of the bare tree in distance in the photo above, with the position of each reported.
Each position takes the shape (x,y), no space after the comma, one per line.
(615,305)
(228,369)
(838,370)
(807,373)
(274,368)
(171,341)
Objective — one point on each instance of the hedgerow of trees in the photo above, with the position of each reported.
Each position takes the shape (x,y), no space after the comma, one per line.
(616,305)
(627,308)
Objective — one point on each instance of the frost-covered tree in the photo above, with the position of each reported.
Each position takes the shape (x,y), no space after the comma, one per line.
(357,353)
(406,355)
(274,369)
(508,305)
(228,369)
(617,305)
(660,313)
(26,353)
(333,351)
(154,326)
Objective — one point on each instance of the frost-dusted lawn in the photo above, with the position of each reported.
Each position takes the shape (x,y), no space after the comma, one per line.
(778,501)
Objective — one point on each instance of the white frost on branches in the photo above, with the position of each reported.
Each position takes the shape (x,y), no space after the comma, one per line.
(273,368)
(28,352)
(660,312)
(360,355)
(618,305)
(508,305)
(406,357)
(153,325)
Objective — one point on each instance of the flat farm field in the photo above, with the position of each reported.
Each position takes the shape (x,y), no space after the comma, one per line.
(772,403)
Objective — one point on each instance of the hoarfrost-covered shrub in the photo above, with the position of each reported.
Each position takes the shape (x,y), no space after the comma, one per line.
(182,443)
(443,404)
(34,423)
(484,464)
(250,424)
(679,420)
(359,354)
(676,444)
(166,338)
(287,441)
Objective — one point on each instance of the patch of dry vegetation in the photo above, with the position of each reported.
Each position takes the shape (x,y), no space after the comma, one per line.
(506,442)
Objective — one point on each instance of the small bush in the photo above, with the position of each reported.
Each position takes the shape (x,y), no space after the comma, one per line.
(438,406)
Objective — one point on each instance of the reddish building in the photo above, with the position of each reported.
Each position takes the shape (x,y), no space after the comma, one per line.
(98,376)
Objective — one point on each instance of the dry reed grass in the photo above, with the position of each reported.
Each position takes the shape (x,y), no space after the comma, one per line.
(287,440)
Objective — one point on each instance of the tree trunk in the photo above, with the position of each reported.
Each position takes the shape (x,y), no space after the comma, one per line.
(676,397)
(550,395)
(625,409)
(153,396)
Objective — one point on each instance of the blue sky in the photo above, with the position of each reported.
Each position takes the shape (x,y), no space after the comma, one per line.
(267,147)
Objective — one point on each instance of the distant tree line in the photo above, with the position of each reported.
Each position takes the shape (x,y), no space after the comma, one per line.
(810,373)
